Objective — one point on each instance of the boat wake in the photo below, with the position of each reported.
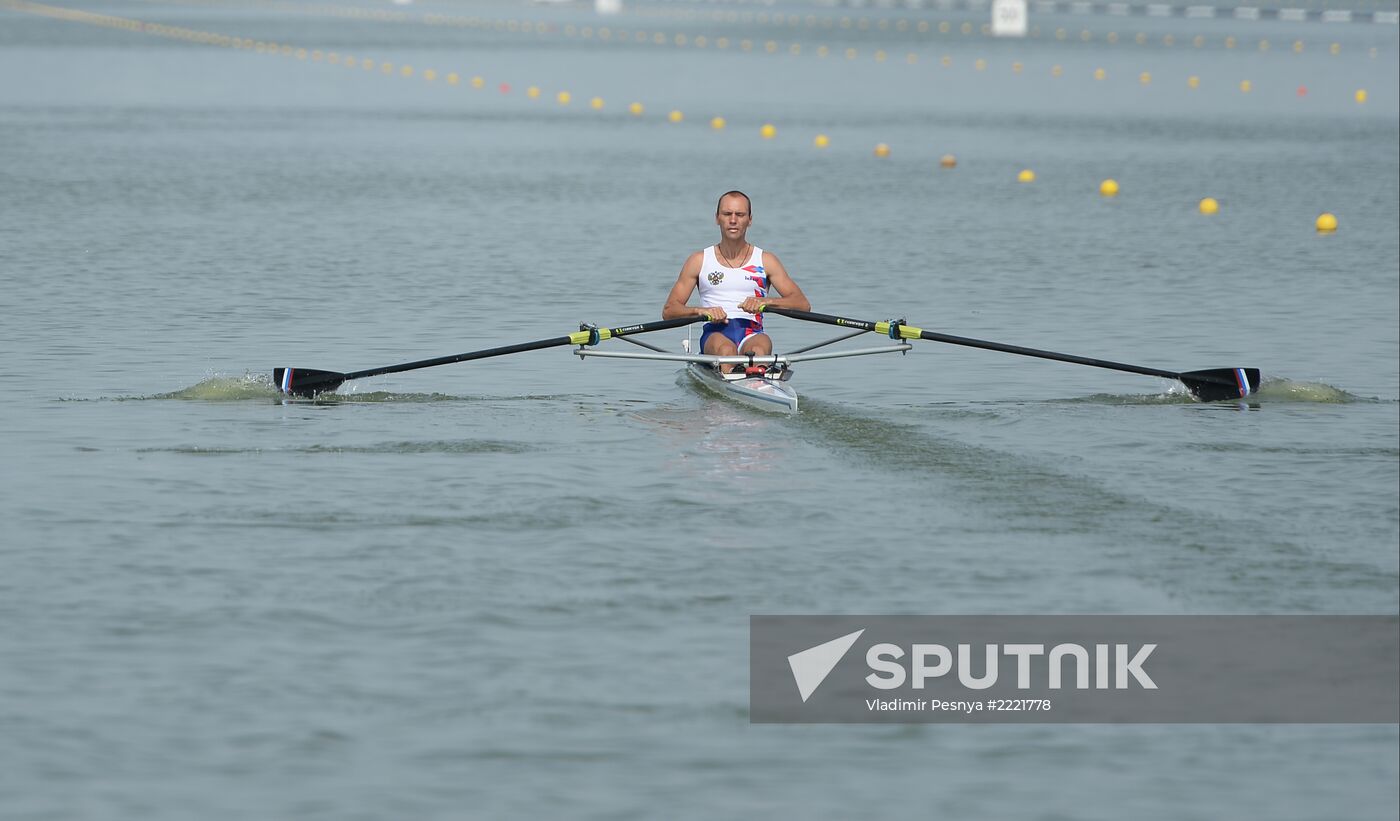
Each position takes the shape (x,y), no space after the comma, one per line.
(1288,390)
(258,387)
(1272,391)
(463,446)
(225,389)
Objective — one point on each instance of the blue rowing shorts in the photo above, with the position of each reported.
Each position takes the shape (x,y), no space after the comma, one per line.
(736,330)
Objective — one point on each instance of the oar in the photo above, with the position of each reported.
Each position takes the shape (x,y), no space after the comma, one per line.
(1210,385)
(308,382)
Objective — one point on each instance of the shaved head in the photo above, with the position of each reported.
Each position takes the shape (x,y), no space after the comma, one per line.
(748,204)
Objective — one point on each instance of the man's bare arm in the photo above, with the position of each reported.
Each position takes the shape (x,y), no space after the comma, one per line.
(686,283)
(791,295)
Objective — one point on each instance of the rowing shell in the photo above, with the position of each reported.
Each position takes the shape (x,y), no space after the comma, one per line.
(763,392)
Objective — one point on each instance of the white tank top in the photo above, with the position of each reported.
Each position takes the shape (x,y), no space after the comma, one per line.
(726,287)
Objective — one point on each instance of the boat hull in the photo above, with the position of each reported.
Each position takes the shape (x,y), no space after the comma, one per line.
(755,391)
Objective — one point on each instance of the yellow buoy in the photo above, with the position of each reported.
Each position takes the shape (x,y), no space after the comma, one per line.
(1326,223)
(596,103)
(717,123)
(1145,78)
(1193,81)
(1099,74)
(882,150)
(563,97)
(821,141)
(1109,188)
(478,82)
(1209,205)
(768,131)
(636,109)
(1361,96)
(948,161)
(1246,86)
(533,92)
(676,116)
(1026,175)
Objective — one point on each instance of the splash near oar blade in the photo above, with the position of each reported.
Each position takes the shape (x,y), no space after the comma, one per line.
(305,381)
(1219,384)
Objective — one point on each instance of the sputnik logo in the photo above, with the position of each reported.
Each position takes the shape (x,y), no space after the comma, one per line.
(810,667)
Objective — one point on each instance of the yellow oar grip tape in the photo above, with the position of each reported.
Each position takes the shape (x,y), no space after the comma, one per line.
(590,336)
(898,330)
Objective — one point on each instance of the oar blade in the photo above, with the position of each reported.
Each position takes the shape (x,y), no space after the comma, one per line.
(305,381)
(1220,384)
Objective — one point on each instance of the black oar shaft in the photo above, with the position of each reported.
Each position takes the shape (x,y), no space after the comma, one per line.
(579,338)
(310,382)
(934,336)
(1060,357)
(461,357)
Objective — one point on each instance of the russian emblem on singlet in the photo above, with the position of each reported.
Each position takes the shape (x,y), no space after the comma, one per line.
(716,277)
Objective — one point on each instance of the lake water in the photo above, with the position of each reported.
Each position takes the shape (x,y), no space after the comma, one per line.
(521,587)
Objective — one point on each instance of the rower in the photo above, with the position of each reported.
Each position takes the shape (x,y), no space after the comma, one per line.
(734,278)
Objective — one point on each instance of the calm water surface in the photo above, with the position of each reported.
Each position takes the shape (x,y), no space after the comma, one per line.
(521,587)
